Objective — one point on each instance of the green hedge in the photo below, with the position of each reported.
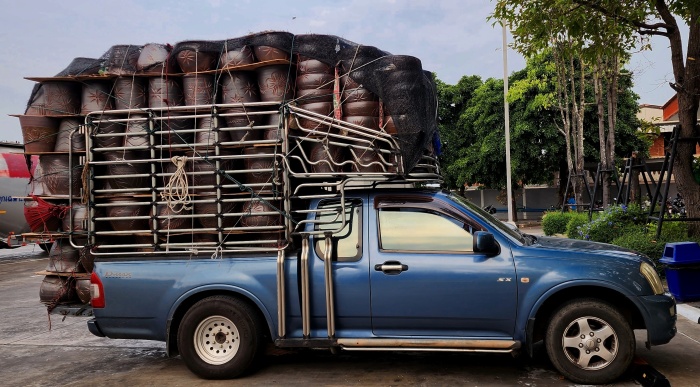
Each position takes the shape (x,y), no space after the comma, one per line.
(643,239)
(612,223)
(576,220)
(555,222)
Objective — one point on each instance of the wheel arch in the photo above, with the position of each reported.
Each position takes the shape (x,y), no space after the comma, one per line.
(185,302)
(551,302)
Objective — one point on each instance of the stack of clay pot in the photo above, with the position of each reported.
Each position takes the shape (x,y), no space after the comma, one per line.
(168,92)
(68,281)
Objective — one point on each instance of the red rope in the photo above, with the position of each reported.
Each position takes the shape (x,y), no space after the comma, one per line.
(40,216)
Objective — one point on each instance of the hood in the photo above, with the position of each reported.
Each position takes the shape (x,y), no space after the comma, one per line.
(553,243)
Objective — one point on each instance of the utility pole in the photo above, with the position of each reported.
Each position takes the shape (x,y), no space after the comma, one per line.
(509,184)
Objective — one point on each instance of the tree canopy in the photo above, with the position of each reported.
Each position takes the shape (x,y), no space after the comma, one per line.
(472,127)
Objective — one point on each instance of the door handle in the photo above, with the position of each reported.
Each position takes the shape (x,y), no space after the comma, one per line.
(391,267)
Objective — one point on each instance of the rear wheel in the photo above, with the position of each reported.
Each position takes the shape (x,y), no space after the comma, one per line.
(220,337)
(589,341)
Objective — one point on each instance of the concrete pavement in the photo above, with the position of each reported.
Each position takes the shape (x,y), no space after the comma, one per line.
(41,350)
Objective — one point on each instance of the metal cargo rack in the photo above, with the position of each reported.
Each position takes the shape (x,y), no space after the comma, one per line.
(167,181)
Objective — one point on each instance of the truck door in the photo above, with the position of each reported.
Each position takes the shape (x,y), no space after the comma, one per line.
(426,280)
(350,268)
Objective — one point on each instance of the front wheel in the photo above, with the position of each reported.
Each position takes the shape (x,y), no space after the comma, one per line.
(589,341)
(220,338)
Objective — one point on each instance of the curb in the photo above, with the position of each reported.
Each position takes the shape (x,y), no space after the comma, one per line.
(689,312)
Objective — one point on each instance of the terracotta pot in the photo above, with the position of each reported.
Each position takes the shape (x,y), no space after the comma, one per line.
(63,258)
(96,97)
(121,59)
(314,95)
(79,214)
(207,137)
(363,108)
(370,122)
(313,66)
(389,126)
(56,290)
(315,81)
(130,93)
(238,87)
(347,83)
(265,53)
(359,94)
(236,57)
(127,207)
(275,133)
(244,123)
(63,141)
(58,174)
(367,161)
(207,175)
(164,92)
(263,159)
(109,128)
(325,159)
(323,108)
(136,132)
(165,220)
(211,208)
(198,89)
(55,98)
(87,259)
(253,213)
(172,126)
(82,288)
(193,60)
(39,133)
(120,165)
(274,83)
(154,59)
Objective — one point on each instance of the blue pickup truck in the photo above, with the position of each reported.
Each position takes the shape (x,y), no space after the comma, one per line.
(411,269)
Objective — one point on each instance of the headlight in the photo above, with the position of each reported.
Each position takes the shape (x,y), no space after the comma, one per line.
(652,277)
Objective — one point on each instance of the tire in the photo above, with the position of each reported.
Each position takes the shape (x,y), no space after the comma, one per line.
(590,342)
(197,338)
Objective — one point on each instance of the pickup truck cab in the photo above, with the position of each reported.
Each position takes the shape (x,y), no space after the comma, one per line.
(410,269)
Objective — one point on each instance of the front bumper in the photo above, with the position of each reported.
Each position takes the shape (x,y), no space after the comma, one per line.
(660,318)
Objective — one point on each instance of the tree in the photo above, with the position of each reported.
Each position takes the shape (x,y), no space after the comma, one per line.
(631,19)
(452,102)
(586,50)
(472,127)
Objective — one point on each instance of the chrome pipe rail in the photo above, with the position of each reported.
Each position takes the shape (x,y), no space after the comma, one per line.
(305,288)
(328,278)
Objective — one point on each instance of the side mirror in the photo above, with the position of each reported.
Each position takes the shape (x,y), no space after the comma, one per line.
(484,242)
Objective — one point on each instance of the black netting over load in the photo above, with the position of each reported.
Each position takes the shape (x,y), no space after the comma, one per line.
(407,92)
(118,60)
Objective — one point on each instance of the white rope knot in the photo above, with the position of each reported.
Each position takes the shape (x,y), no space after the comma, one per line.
(176,193)
(218,253)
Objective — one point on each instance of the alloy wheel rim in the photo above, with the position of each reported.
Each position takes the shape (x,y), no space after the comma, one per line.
(590,343)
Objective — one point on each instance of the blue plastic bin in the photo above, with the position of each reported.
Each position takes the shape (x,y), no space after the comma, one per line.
(682,261)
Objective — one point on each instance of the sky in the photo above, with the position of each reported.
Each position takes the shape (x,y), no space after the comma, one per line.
(452,38)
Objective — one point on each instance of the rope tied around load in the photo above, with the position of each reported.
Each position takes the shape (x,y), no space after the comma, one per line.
(176,192)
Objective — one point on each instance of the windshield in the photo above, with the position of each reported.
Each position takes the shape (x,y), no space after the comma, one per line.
(490,219)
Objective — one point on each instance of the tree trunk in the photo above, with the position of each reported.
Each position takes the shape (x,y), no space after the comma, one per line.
(687,84)
(598,91)
(612,95)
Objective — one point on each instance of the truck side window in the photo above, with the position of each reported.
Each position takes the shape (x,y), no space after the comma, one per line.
(412,229)
(347,245)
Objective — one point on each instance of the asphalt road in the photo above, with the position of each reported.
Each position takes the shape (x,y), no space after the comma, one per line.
(41,350)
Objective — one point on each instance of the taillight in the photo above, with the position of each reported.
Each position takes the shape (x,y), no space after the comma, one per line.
(97,294)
